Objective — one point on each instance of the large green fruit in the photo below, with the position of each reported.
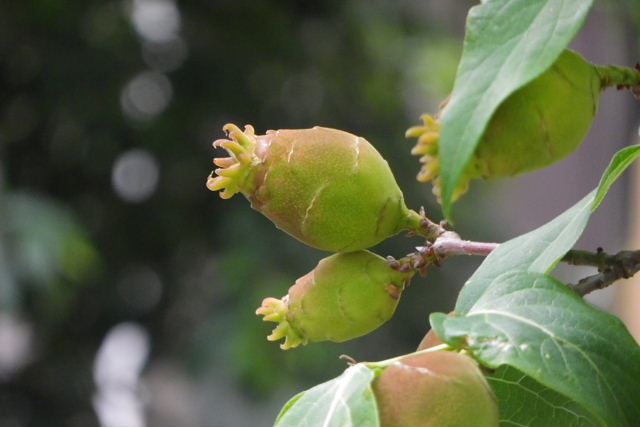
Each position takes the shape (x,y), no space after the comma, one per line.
(328,188)
(536,126)
(346,296)
(437,389)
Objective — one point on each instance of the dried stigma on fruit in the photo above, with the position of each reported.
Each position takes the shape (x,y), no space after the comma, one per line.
(329,189)
(437,389)
(535,127)
(346,296)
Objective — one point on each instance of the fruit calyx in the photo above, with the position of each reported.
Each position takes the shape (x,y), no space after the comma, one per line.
(275,310)
(427,148)
(233,173)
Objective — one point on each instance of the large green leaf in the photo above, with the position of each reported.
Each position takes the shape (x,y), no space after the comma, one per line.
(526,402)
(618,165)
(539,326)
(540,250)
(345,401)
(508,44)
(512,310)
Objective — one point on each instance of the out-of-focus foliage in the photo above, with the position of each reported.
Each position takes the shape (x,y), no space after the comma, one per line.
(44,248)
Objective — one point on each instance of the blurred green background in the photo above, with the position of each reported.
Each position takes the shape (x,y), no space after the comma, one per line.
(127,289)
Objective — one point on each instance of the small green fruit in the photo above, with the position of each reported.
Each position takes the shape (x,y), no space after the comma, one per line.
(535,127)
(346,296)
(438,389)
(329,189)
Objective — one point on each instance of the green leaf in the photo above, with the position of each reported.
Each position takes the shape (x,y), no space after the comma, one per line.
(538,325)
(619,164)
(541,249)
(526,402)
(508,44)
(347,401)
(538,251)
(508,303)
(287,406)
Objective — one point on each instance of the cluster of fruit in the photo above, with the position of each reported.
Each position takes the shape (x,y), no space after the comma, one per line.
(332,191)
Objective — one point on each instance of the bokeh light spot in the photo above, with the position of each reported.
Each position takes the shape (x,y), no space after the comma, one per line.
(135,175)
(156,20)
(146,96)
(15,345)
(116,372)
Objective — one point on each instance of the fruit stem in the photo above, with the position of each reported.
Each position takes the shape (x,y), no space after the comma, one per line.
(450,244)
(420,225)
(621,77)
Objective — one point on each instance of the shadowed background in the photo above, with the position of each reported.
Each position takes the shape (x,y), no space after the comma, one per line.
(128,290)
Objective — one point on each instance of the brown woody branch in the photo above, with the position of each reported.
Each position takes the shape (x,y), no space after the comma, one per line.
(611,268)
(448,244)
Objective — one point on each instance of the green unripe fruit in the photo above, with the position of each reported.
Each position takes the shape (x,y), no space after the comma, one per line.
(543,122)
(328,188)
(536,126)
(437,389)
(346,296)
